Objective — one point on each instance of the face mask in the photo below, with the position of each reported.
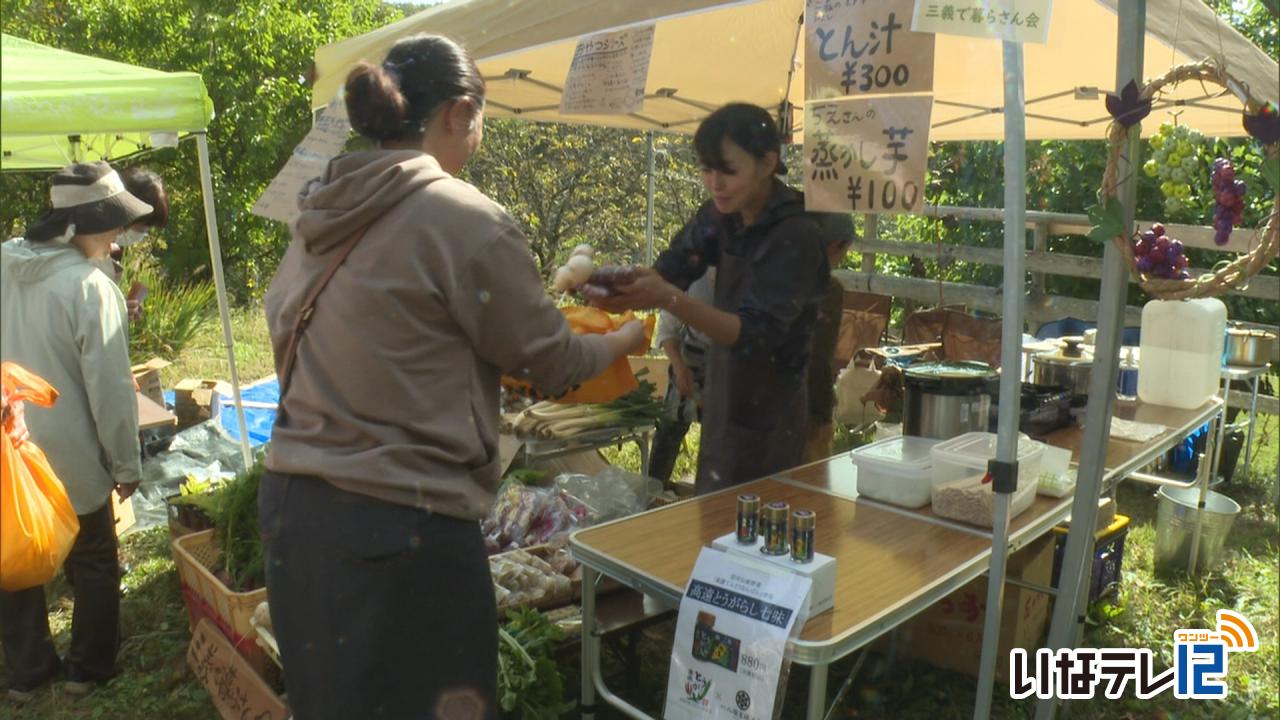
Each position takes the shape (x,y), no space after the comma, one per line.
(131,237)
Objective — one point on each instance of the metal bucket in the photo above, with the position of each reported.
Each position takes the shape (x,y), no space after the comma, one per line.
(1176,515)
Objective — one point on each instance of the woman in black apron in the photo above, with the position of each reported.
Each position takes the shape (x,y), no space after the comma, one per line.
(771,273)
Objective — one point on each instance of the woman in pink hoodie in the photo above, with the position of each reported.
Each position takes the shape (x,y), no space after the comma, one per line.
(416,293)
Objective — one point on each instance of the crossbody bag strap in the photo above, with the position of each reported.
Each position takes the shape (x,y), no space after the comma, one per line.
(308,309)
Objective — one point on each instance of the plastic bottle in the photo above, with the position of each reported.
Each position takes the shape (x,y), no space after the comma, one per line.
(1127,381)
(1181,351)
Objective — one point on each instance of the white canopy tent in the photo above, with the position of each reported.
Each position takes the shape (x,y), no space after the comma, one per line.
(58,107)
(710,52)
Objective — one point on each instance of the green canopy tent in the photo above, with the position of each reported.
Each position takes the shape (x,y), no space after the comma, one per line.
(57,107)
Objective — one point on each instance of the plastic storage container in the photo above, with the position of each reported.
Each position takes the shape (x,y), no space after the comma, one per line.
(1180,355)
(959,467)
(898,471)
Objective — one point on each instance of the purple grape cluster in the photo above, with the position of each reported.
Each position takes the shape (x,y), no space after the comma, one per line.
(1160,255)
(1228,200)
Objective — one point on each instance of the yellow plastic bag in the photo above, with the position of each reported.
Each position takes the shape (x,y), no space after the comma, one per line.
(38,525)
(617,379)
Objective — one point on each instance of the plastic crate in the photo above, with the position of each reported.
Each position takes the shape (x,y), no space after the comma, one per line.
(207,597)
(1108,554)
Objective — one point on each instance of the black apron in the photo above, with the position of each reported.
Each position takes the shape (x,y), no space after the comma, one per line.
(753,417)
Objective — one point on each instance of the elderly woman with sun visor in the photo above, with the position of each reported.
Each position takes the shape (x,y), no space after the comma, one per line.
(64,319)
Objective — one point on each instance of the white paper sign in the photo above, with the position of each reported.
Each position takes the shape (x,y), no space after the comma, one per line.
(608,73)
(731,637)
(1025,21)
(309,160)
(864,47)
(866,156)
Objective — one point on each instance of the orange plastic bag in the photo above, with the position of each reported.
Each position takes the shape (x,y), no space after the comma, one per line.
(617,379)
(38,525)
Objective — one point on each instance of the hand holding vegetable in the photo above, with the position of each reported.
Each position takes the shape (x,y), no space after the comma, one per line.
(632,288)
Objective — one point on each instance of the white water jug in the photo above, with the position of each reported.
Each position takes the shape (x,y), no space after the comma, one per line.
(1181,354)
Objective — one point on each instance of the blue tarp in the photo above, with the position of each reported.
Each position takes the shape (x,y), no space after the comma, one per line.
(258,419)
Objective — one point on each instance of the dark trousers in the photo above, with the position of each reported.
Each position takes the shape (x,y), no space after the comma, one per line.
(93,569)
(380,610)
(679,414)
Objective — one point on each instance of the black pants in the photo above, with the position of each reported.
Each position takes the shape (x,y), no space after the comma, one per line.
(380,610)
(678,415)
(93,569)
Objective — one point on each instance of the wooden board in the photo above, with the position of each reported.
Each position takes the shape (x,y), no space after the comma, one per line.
(1120,451)
(885,558)
(151,414)
(236,690)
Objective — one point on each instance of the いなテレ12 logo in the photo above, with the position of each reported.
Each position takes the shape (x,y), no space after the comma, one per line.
(1200,656)
(1200,666)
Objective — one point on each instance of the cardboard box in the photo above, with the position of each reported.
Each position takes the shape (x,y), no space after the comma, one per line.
(196,400)
(124,513)
(949,634)
(236,690)
(147,376)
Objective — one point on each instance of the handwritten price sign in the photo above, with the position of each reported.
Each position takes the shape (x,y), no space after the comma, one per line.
(608,73)
(864,47)
(866,156)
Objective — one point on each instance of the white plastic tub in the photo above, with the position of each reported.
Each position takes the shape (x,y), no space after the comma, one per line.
(959,467)
(897,470)
(1180,363)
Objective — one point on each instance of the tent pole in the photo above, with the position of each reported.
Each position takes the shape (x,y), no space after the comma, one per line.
(219,284)
(1005,470)
(648,212)
(1068,612)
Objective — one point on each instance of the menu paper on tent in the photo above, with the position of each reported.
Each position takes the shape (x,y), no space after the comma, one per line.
(864,47)
(1024,21)
(867,156)
(731,637)
(325,141)
(608,73)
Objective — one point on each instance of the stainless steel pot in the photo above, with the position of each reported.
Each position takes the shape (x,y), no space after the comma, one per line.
(1069,369)
(947,399)
(1249,347)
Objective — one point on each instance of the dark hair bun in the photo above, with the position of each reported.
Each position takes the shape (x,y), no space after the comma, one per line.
(375,104)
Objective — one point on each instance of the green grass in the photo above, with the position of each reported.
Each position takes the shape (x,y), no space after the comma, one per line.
(206,355)
(154,680)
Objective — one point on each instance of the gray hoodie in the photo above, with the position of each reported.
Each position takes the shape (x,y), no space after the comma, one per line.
(395,388)
(64,320)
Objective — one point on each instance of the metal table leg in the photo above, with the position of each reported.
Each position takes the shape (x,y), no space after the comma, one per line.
(644,442)
(1216,435)
(1253,416)
(590,643)
(817,693)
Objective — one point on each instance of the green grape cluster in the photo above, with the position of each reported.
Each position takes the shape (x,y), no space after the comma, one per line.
(1176,160)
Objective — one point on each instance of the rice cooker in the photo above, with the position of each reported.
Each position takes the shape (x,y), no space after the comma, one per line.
(947,399)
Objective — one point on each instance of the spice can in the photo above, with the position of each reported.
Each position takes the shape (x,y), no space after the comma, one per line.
(748,518)
(803,524)
(773,524)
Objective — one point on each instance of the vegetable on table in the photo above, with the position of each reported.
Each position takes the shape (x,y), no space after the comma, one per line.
(529,683)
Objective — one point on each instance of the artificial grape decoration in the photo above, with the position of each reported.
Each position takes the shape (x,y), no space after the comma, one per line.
(1159,255)
(1175,159)
(1228,200)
